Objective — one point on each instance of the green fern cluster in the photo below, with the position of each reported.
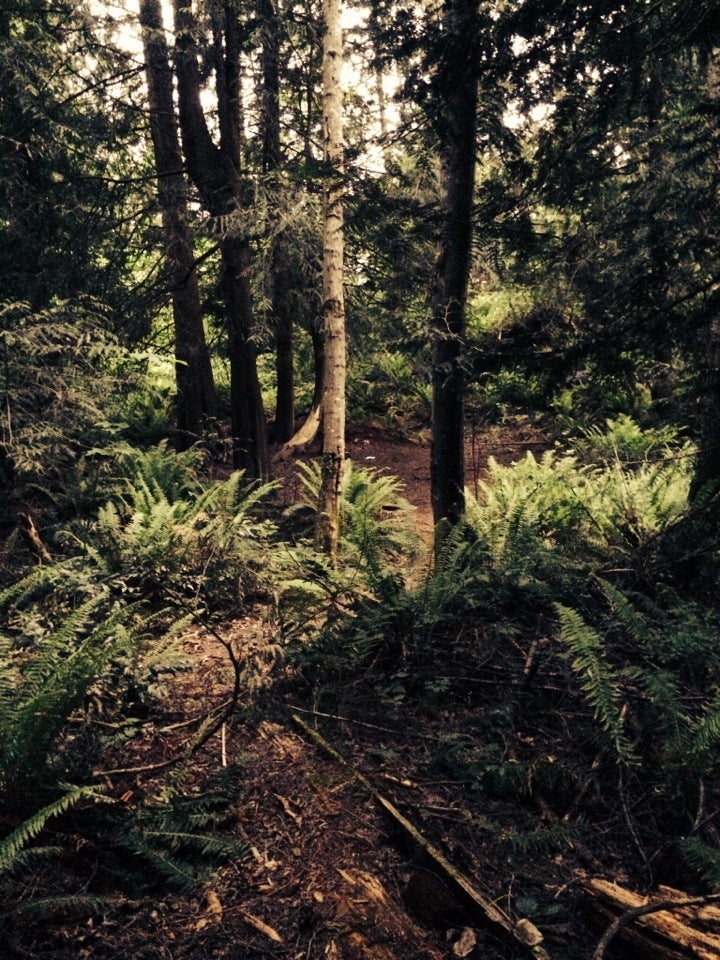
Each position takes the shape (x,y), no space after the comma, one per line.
(185,832)
(379,542)
(654,671)
(71,653)
(384,385)
(377,522)
(624,440)
(588,511)
(44,680)
(164,534)
(61,636)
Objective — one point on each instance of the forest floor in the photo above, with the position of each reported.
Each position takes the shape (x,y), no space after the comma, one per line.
(328,874)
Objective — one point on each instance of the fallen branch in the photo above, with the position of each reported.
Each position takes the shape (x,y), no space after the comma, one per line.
(521,933)
(658,933)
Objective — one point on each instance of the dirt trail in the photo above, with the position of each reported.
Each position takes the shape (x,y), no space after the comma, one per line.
(326,878)
(375,446)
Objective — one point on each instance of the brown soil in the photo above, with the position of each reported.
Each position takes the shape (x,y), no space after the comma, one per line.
(408,459)
(327,877)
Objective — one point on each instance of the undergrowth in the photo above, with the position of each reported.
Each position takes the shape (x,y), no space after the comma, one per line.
(83,643)
(596,658)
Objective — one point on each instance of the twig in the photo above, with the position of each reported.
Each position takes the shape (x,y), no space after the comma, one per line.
(701,806)
(336,716)
(632,828)
(521,933)
(205,733)
(625,918)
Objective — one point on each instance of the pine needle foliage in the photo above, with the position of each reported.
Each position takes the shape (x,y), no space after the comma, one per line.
(55,380)
(704,858)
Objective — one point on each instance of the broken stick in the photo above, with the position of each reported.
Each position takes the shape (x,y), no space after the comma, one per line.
(521,933)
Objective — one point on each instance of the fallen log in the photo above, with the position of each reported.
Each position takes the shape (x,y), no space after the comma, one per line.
(652,925)
(521,933)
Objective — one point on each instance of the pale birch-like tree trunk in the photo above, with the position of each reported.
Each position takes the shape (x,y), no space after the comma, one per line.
(333,412)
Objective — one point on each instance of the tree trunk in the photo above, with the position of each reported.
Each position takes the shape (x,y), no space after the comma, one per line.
(458,76)
(279,271)
(196,400)
(216,174)
(707,470)
(333,411)
(250,450)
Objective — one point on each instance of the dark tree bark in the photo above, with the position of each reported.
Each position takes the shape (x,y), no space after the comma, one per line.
(281,310)
(215,172)
(457,84)
(196,401)
(707,470)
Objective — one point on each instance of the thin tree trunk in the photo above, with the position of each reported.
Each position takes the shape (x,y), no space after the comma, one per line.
(312,423)
(279,271)
(196,401)
(250,451)
(457,148)
(333,456)
(707,469)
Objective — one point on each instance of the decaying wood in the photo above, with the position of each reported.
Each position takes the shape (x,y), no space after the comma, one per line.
(654,925)
(32,539)
(521,933)
(257,924)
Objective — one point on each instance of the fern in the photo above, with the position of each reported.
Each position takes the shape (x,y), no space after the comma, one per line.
(168,472)
(184,835)
(42,692)
(48,908)
(623,440)
(39,581)
(598,680)
(703,858)
(12,847)
(702,739)
(377,522)
(171,537)
(543,841)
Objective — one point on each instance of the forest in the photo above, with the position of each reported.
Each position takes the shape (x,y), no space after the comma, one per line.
(360,479)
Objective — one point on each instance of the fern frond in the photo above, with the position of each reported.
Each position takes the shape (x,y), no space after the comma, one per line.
(52,684)
(39,581)
(50,908)
(13,844)
(703,858)
(597,677)
(548,839)
(703,737)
